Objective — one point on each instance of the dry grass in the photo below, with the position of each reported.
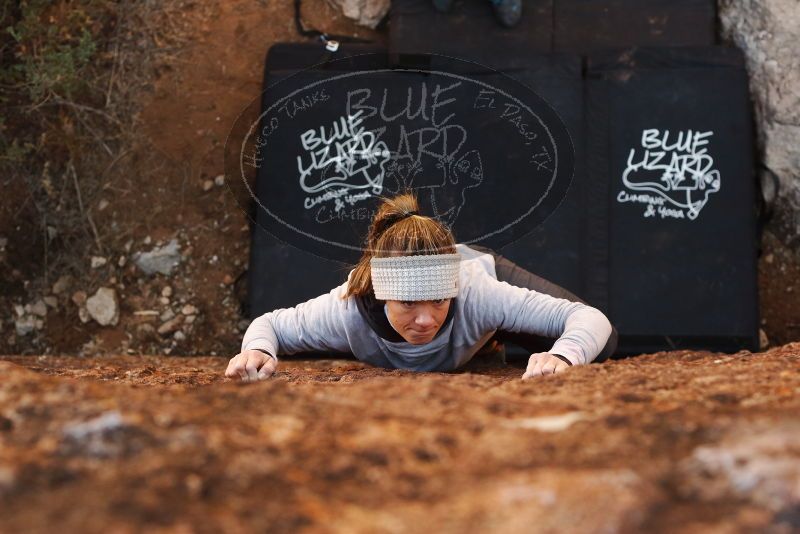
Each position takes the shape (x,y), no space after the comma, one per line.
(72,75)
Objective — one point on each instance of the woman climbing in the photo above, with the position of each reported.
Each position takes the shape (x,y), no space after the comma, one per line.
(416,300)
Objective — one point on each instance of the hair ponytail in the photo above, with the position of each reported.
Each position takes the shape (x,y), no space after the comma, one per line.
(398,229)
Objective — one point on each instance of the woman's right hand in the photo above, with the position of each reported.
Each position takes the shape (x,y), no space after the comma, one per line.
(251,366)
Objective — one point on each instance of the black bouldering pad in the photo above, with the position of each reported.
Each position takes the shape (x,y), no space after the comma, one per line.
(588,26)
(469,31)
(672,237)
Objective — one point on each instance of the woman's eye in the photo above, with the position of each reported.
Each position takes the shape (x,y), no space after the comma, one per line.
(407,303)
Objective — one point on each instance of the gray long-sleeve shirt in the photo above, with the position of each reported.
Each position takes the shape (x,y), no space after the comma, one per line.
(483,306)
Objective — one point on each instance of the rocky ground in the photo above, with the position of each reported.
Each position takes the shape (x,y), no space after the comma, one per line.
(679,441)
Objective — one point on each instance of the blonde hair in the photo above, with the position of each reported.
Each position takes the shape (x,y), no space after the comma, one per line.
(388,236)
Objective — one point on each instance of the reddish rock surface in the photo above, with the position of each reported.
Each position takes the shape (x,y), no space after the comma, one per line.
(679,441)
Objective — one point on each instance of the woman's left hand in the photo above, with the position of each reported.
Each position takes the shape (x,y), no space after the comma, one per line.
(544,363)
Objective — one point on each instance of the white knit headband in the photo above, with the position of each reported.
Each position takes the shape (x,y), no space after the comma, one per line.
(419,277)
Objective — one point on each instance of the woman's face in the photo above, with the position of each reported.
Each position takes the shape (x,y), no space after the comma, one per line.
(419,320)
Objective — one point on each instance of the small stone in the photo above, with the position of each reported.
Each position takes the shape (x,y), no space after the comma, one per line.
(37,308)
(228,280)
(145,329)
(128,245)
(166,291)
(179,336)
(19,310)
(102,306)
(122,261)
(190,319)
(83,315)
(219,181)
(189,310)
(167,315)
(25,325)
(103,204)
(763,340)
(207,185)
(79,298)
(769,258)
(164,301)
(62,284)
(365,13)
(51,301)
(39,324)
(159,260)
(170,326)
(98,261)
(147,240)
